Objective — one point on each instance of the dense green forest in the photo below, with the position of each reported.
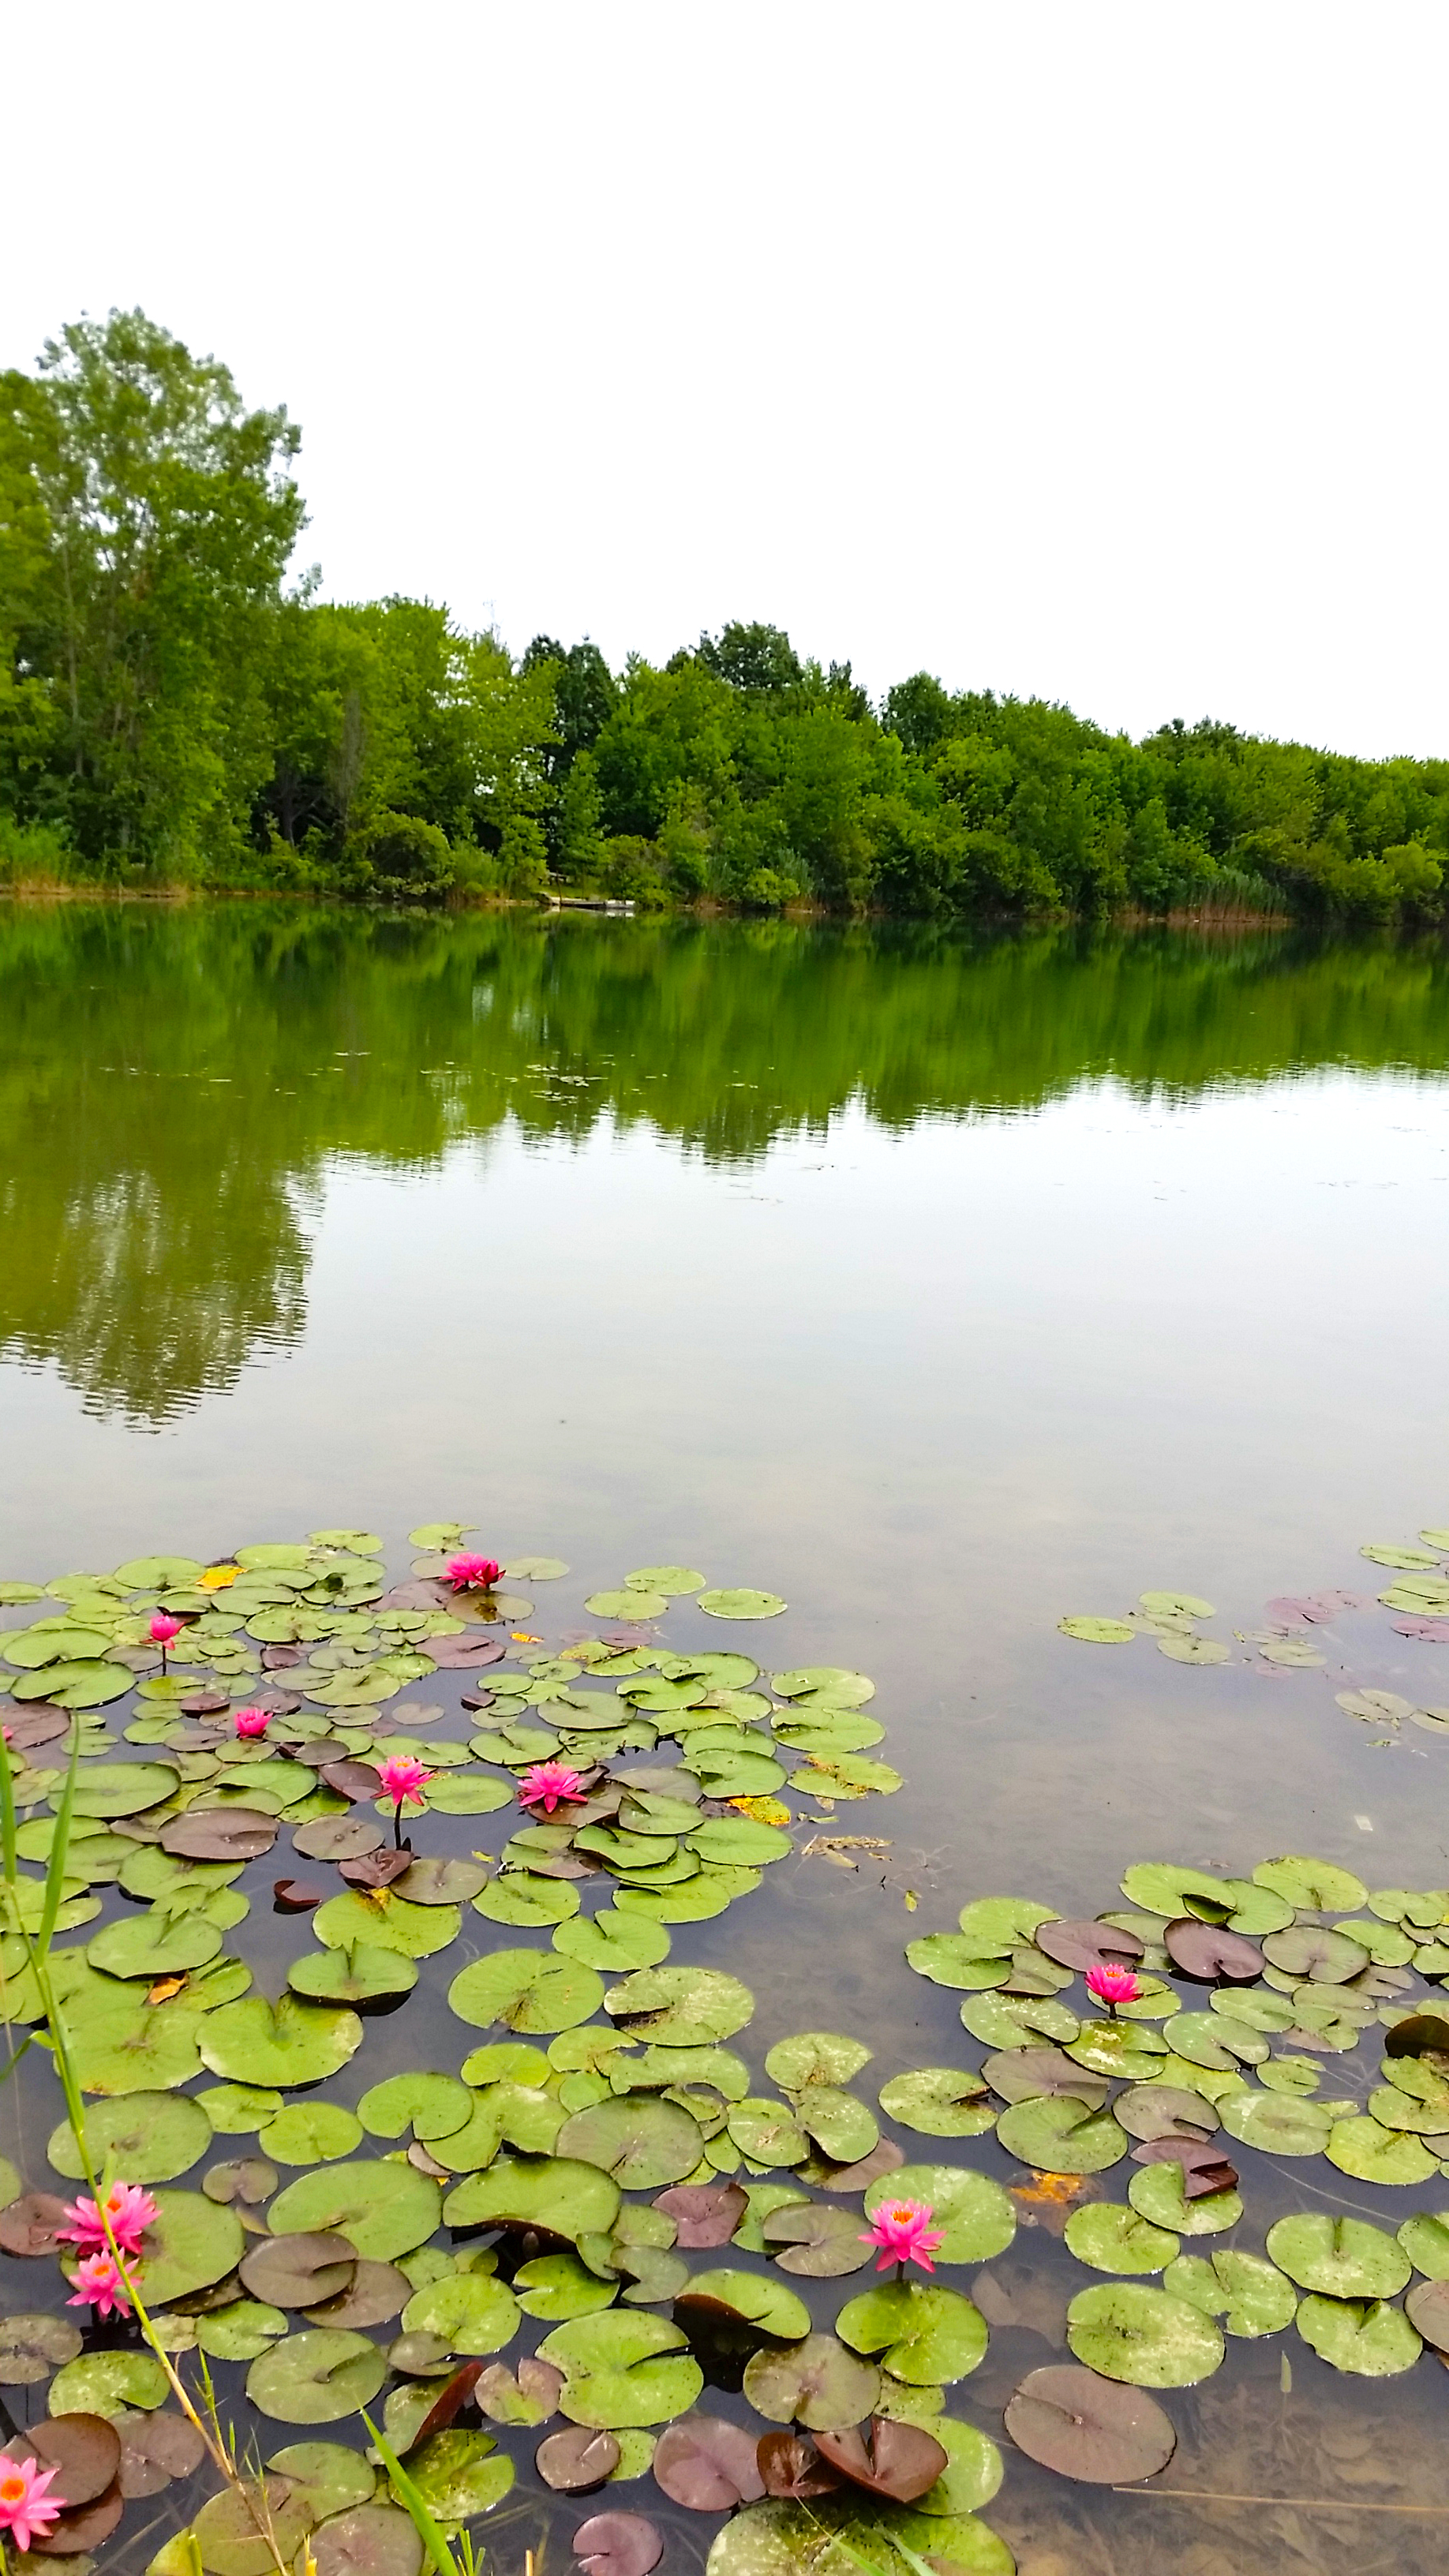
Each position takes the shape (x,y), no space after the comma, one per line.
(177,707)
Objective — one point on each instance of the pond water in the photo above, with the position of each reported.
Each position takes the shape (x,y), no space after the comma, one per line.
(944,1288)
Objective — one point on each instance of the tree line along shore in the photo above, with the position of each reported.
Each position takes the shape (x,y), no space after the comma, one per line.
(179,708)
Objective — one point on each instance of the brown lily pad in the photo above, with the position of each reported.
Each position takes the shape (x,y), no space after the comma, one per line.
(576,2459)
(885,2156)
(86,2449)
(1084,1945)
(1208,1950)
(618,2544)
(460,1654)
(1418,2035)
(708,2464)
(28,2226)
(1205,2169)
(1026,2074)
(244,2180)
(791,2466)
(1085,2427)
(378,1868)
(316,1751)
(296,1895)
(155,2449)
(27,1727)
(76,2534)
(376,2292)
(816,2240)
(351,1779)
(1427,2309)
(450,2402)
(901,2460)
(205,1703)
(704,2213)
(31,2347)
(301,2270)
(432,1880)
(337,1837)
(219,1833)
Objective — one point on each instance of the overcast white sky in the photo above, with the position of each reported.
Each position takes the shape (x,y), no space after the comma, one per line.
(1088,351)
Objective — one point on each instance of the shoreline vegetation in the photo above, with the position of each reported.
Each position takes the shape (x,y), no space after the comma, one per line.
(181,712)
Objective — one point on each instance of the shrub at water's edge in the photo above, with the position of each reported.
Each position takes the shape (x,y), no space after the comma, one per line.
(171,715)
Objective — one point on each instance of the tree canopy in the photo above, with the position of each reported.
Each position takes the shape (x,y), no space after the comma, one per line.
(172,711)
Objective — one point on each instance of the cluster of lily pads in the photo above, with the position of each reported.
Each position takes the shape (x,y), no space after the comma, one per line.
(526,2153)
(1418,1597)
(1293,2014)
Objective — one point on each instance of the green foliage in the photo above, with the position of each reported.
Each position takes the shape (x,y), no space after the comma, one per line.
(170,714)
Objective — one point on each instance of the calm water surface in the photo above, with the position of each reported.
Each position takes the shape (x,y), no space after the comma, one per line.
(944,1289)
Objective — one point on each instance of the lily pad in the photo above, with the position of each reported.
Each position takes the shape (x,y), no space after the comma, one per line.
(939,2101)
(309,2133)
(317,2377)
(817,2383)
(241,2331)
(235,2110)
(1366,2337)
(643,2141)
(152,2137)
(1061,2135)
(327,2477)
(290,2042)
(1085,2427)
(753,2296)
(228,2540)
(460,2475)
(1146,2337)
(976,2218)
(1113,2239)
(154,1945)
(433,2106)
(623,2368)
(107,2383)
(1427,2309)
(1159,2193)
(551,2193)
(122,1788)
(383,2209)
(528,1990)
(680,2007)
(1252,2297)
(31,2347)
(628,1605)
(741,1605)
(1098,1632)
(829,2535)
(191,2243)
(613,1943)
(467,1793)
(299,2270)
(469,2311)
(559,2286)
(1316,1884)
(1311,1950)
(1276,2122)
(920,2332)
(1346,2258)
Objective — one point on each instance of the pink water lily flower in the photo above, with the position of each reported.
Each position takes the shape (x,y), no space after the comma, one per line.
(25,2507)
(162,1629)
(548,1784)
(101,2284)
(130,2211)
(473,1573)
(903,2231)
(252,1721)
(1112,1986)
(402,1778)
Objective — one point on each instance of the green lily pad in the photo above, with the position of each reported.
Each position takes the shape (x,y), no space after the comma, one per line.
(627,1605)
(122,1788)
(290,2042)
(460,2475)
(643,2141)
(520,1897)
(78,1686)
(1113,2239)
(817,2383)
(1159,2193)
(242,2331)
(831,2535)
(921,2332)
(680,2007)
(1425,2240)
(53,1641)
(738,1842)
(622,2368)
(973,2472)
(815,2057)
(1097,1632)
(1013,2021)
(741,1605)
(360,1974)
(154,1945)
(1214,2040)
(1060,2135)
(1346,2258)
(752,2296)
(559,2286)
(235,2110)
(317,2377)
(309,2133)
(382,2209)
(1366,2337)
(107,2383)
(767,2132)
(433,2106)
(1252,2297)
(1317,1884)
(1311,1950)
(939,2101)
(152,2137)
(842,2128)
(1276,2122)
(674,1581)
(467,1793)
(325,2477)
(552,2193)
(191,2243)
(138,2050)
(1145,2337)
(1162,1887)
(614,1943)
(527,1990)
(976,2217)
(468,2311)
